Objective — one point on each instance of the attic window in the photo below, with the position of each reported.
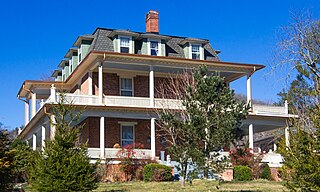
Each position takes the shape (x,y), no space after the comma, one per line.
(196,51)
(125,44)
(154,47)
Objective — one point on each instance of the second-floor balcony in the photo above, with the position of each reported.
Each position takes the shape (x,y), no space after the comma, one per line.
(146,102)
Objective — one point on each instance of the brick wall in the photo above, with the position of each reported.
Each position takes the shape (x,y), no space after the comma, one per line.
(84,84)
(110,84)
(74,89)
(91,133)
(141,86)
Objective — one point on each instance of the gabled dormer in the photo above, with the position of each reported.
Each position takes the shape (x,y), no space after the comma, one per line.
(65,71)
(83,44)
(194,48)
(57,75)
(72,56)
(153,44)
(123,41)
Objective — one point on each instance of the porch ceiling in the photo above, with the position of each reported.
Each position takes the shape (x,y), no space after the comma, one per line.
(263,123)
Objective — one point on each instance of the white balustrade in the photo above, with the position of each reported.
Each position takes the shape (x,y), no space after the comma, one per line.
(115,153)
(267,109)
(127,101)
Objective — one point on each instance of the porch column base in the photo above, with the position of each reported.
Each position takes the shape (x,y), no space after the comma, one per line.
(251,137)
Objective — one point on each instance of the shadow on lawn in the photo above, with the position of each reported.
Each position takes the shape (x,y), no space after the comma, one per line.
(114,190)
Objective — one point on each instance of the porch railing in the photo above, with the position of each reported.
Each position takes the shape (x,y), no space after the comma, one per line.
(144,102)
(114,153)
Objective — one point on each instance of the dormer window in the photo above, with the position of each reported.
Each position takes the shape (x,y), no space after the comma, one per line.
(125,44)
(154,47)
(196,52)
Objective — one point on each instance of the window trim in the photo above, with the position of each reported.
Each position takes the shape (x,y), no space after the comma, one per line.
(149,46)
(130,43)
(200,50)
(132,82)
(133,124)
(79,54)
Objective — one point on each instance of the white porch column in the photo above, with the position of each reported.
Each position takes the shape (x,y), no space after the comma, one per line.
(153,137)
(102,155)
(286,135)
(90,83)
(43,136)
(26,112)
(151,86)
(249,90)
(100,71)
(53,94)
(52,126)
(33,104)
(251,136)
(286,107)
(34,142)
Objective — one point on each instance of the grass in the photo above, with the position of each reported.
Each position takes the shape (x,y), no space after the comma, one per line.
(198,185)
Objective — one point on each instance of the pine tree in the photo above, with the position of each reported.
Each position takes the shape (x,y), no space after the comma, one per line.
(64,164)
(6,161)
(211,120)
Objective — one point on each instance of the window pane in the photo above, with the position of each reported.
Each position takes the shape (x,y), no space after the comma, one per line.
(126,93)
(124,42)
(124,49)
(196,56)
(126,84)
(125,143)
(154,45)
(195,48)
(154,52)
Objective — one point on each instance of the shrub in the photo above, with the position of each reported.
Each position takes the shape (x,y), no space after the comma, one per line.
(266,172)
(157,172)
(139,173)
(242,173)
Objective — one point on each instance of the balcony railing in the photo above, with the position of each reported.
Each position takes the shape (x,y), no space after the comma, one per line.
(114,153)
(144,102)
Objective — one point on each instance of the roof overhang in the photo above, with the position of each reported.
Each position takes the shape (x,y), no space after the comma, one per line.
(124,33)
(194,40)
(56,73)
(83,37)
(70,52)
(63,63)
(90,62)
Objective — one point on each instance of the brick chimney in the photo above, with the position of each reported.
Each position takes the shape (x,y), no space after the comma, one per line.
(152,22)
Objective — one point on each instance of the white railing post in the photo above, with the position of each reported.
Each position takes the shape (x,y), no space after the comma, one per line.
(251,137)
(34,141)
(33,104)
(26,112)
(100,71)
(153,138)
(151,86)
(53,126)
(286,135)
(249,90)
(43,136)
(286,107)
(102,155)
(53,94)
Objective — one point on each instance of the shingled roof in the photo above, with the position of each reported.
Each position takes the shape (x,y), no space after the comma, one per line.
(103,41)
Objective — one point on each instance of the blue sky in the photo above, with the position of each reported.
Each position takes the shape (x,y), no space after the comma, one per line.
(35,35)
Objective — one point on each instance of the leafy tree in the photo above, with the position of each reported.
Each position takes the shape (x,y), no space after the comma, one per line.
(300,48)
(6,161)
(64,164)
(210,120)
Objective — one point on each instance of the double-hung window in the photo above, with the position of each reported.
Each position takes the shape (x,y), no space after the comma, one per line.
(195,52)
(127,135)
(125,44)
(126,87)
(154,48)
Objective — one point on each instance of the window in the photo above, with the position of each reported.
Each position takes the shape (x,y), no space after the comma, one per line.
(124,44)
(154,48)
(127,135)
(126,87)
(195,52)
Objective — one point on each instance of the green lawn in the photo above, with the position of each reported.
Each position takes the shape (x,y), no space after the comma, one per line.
(198,185)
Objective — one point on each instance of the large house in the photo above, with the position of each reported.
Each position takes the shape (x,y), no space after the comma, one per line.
(114,77)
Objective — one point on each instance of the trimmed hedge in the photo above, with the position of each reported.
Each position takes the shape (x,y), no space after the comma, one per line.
(157,172)
(266,172)
(242,173)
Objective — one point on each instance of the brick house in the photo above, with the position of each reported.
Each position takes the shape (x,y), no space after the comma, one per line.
(114,76)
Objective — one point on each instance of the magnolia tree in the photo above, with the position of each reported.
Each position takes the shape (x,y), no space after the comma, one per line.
(208,119)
